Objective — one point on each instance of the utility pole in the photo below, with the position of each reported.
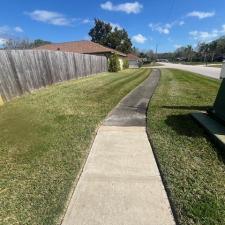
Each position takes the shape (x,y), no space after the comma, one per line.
(156,49)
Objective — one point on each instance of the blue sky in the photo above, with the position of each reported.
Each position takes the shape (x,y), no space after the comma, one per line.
(166,23)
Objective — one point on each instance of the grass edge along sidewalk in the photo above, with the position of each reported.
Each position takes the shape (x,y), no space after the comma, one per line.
(44,141)
(191,165)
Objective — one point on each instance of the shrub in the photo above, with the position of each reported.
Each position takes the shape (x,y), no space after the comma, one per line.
(114,64)
(125,64)
(140,63)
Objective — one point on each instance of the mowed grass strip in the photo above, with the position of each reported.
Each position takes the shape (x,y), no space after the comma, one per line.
(44,139)
(192,166)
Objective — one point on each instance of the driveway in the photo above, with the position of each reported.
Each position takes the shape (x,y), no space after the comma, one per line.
(200,69)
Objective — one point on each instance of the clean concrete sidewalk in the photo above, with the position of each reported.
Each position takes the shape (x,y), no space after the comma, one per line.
(120,183)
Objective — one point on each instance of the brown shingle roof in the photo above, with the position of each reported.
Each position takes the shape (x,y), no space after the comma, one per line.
(132,57)
(86,47)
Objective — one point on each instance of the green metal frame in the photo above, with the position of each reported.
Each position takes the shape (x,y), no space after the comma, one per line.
(219,105)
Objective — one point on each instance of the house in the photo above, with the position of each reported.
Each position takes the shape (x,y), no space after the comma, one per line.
(84,47)
(133,60)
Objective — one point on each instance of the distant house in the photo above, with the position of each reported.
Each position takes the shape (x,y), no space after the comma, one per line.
(134,61)
(84,47)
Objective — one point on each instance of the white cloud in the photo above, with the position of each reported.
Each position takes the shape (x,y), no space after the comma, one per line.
(223,28)
(85,21)
(177,46)
(4,29)
(139,38)
(128,7)
(207,36)
(204,35)
(181,23)
(165,28)
(201,15)
(162,29)
(50,17)
(7,32)
(18,29)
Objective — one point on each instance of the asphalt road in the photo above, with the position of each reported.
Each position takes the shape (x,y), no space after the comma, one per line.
(200,69)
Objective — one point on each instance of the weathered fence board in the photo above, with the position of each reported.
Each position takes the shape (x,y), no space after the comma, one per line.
(22,71)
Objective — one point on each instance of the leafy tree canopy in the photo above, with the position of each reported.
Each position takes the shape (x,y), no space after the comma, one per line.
(204,52)
(100,32)
(104,34)
(40,42)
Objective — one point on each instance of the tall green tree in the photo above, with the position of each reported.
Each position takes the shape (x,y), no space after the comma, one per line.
(189,52)
(119,40)
(221,45)
(212,49)
(116,38)
(100,32)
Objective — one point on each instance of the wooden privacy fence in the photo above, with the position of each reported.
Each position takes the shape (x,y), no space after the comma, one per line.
(22,71)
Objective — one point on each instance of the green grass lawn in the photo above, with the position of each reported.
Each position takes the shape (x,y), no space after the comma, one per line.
(192,166)
(44,139)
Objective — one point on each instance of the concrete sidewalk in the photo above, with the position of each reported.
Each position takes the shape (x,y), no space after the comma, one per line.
(120,183)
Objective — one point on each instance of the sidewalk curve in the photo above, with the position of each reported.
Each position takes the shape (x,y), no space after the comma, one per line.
(120,183)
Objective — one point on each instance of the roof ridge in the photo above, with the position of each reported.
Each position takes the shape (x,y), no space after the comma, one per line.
(91,43)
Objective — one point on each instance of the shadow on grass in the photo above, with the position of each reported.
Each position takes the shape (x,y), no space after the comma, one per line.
(184,107)
(184,125)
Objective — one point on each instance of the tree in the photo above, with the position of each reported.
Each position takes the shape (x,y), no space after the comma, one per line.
(17,44)
(40,42)
(188,52)
(221,45)
(119,40)
(212,49)
(180,52)
(100,32)
(24,43)
(135,50)
(104,34)
(125,64)
(114,64)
